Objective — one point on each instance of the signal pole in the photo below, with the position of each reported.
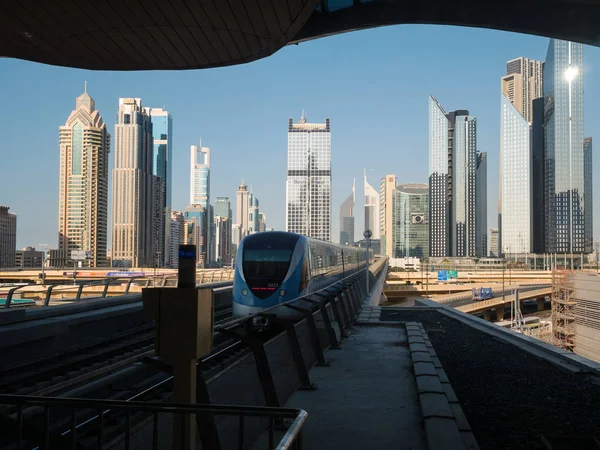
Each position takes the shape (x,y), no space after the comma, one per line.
(367,234)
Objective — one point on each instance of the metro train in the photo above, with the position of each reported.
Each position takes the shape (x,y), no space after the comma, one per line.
(275,267)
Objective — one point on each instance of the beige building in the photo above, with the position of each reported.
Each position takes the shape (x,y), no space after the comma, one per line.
(386,214)
(8,237)
(133,243)
(587,314)
(83,185)
(523,84)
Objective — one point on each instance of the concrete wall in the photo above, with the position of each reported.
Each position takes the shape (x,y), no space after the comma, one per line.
(587,313)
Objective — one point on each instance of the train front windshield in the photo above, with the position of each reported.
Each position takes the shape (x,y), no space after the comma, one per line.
(266,260)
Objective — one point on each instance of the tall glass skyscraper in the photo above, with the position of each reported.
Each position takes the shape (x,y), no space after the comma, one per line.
(464,166)
(481,205)
(308,185)
(564,148)
(411,216)
(588,195)
(372,214)
(347,219)
(162,133)
(452,181)
(521,85)
(83,184)
(133,187)
(198,213)
(439,181)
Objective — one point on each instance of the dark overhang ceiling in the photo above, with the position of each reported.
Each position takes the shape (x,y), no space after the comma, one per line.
(191,34)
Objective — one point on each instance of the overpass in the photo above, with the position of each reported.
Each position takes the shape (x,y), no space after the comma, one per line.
(180,34)
(500,302)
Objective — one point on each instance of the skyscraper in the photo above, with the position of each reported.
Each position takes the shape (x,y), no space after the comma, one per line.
(133,190)
(83,185)
(538,215)
(262,222)
(8,237)
(452,181)
(347,219)
(223,230)
(198,212)
(494,243)
(564,148)
(386,214)
(410,221)
(588,199)
(371,209)
(308,185)
(200,176)
(241,208)
(162,133)
(481,247)
(440,187)
(521,85)
(177,237)
(253,212)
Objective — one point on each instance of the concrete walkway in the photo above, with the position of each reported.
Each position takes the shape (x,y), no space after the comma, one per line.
(366,397)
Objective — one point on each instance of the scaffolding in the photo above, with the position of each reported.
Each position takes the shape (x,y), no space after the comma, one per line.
(563,309)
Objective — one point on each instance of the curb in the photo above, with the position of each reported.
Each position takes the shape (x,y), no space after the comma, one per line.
(446,426)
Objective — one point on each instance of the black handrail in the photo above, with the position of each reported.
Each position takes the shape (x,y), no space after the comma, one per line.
(128,407)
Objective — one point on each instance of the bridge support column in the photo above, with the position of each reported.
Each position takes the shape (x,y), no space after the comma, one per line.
(499,313)
(540,304)
(487,314)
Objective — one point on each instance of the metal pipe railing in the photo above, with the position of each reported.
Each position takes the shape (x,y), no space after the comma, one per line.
(291,437)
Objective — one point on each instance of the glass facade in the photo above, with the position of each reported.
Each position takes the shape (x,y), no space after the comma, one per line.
(538,215)
(347,220)
(199,210)
(308,186)
(452,182)
(411,221)
(438,180)
(481,205)
(564,148)
(162,133)
(515,179)
(587,196)
(464,163)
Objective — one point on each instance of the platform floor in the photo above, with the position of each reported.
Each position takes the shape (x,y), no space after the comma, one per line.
(366,397)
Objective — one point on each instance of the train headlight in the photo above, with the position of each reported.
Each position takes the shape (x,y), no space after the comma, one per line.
(244,292)
(282,292)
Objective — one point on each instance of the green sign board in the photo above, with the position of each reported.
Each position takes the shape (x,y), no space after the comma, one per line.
(453,274)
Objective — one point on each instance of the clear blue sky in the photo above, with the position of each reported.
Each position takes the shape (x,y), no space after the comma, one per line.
(372,84)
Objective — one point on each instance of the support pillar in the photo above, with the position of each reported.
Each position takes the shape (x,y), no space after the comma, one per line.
(540,304)
(499,313)
(487,315)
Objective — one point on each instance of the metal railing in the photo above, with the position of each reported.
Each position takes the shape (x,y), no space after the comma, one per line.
(80,289)
(141,424)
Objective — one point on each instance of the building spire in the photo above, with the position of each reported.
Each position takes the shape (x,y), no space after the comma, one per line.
(85,87)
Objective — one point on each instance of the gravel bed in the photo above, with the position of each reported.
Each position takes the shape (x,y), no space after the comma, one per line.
(510,397)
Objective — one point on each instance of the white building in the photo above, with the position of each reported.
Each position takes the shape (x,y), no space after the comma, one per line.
(371,209)
(308,185)
(521,85)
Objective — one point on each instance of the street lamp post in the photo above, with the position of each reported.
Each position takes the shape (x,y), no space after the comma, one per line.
(367,234)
